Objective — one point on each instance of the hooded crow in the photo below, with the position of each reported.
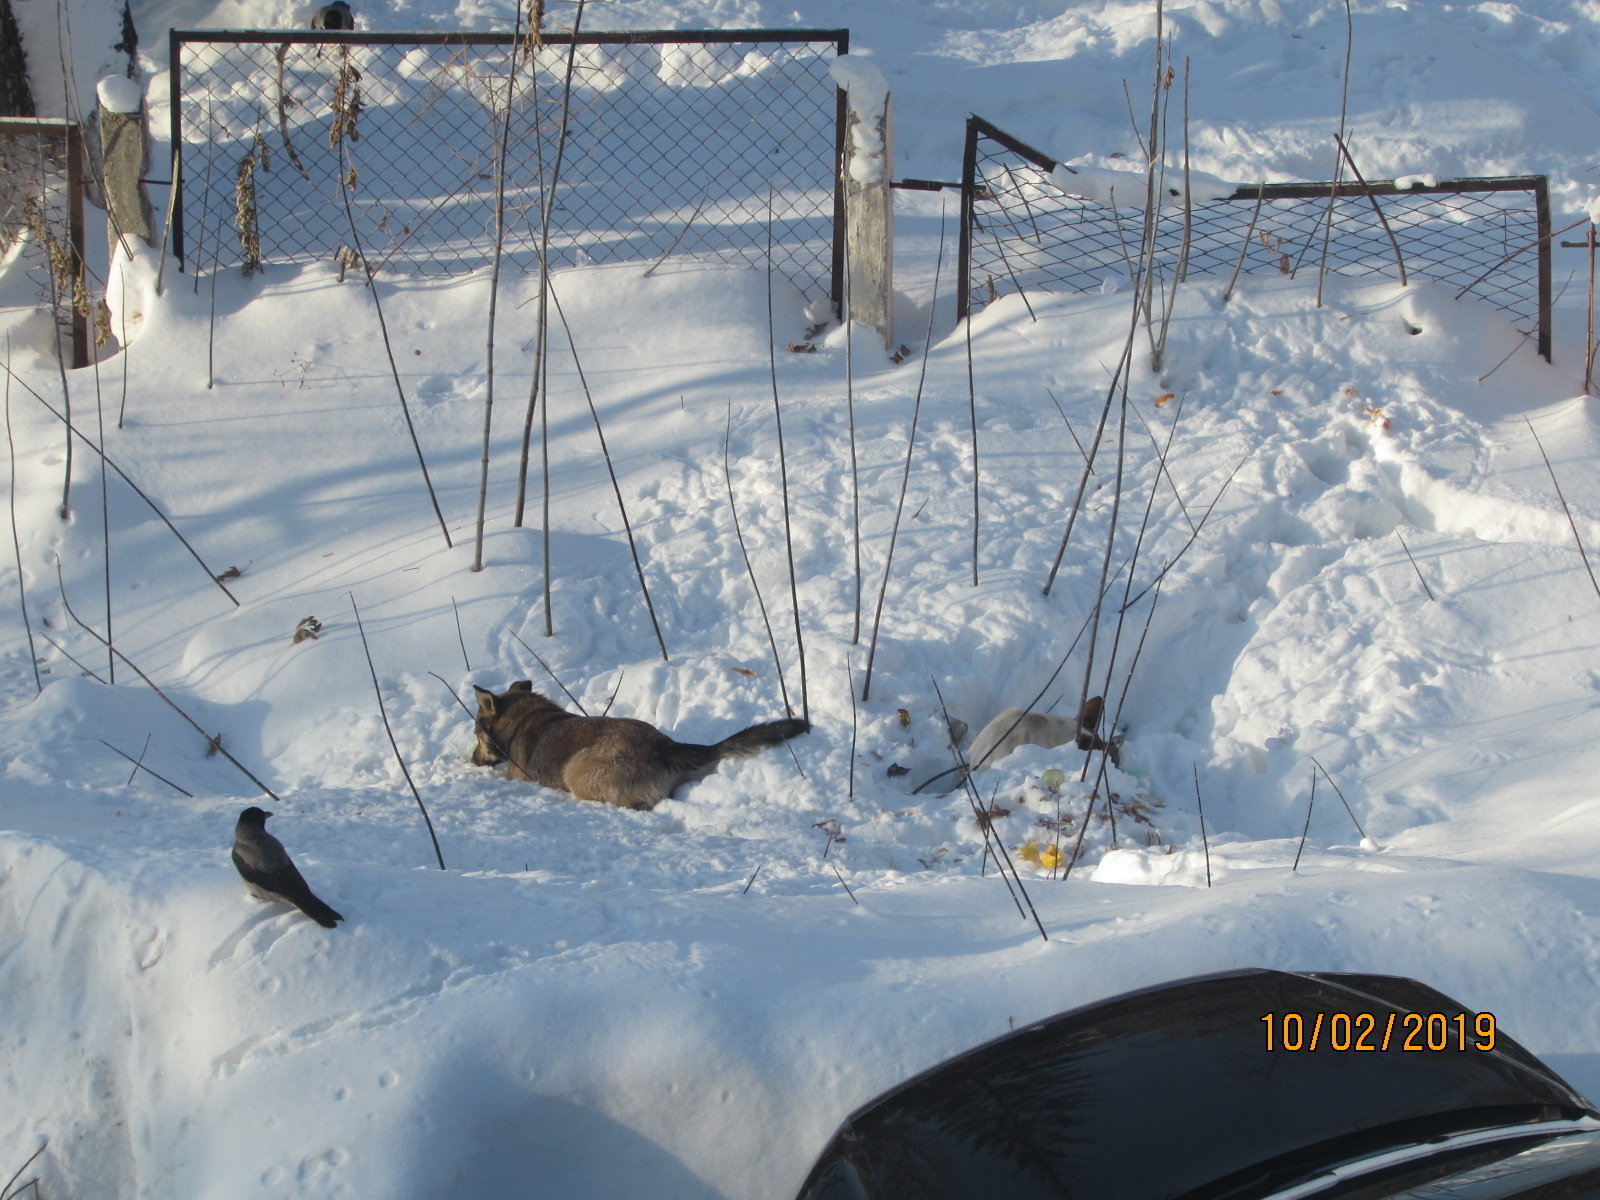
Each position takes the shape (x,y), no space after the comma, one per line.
(333,16)
(269,872)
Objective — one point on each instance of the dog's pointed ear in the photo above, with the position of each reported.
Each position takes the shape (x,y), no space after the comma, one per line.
(521,685)
(486,701)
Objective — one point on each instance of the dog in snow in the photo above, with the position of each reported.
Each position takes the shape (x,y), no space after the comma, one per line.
(1013,728)
(615,760)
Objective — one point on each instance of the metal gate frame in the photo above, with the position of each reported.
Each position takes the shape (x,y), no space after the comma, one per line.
(973,192)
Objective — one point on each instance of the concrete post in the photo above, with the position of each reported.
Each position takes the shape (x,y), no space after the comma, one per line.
(869,200)
(126,153)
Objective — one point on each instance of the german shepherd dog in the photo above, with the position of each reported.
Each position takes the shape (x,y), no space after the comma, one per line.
(615,760)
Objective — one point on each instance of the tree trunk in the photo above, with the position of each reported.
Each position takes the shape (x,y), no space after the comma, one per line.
(16,98)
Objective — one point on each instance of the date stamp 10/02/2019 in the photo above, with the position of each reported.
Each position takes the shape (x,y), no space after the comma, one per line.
(1354,1032)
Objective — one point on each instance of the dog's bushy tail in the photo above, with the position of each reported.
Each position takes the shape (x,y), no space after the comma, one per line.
(745,744)
(752,741)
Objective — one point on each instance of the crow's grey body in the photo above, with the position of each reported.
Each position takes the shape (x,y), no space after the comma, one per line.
(269,872)
(333,16)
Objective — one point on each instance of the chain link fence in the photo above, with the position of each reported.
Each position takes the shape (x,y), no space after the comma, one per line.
(671,143)
(1023,229)
(41,220)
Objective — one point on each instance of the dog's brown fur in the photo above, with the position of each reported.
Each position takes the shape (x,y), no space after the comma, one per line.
(615,760)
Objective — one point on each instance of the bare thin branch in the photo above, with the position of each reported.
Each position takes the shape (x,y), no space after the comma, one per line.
(383,328)
(738,533)
(783,477)
(1399,260)
(151,684)
(503,139)
(905,478)
(992,840)
(1311,804)
(549,672)
(16,539)
(1571,524)
(67,654)
(124,476)
(1414,566)
(622,508)
(465,661)
(1342,800)
(138,765)
(389,729)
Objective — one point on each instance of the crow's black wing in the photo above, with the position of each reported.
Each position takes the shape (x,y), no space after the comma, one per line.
(287,883)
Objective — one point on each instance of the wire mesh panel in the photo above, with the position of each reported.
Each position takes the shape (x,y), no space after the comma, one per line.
(41,218)
(673,143)
(1024,228)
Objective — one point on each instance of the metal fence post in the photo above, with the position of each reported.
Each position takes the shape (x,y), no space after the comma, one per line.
(969,187)
(80,320)
(1541,194)
(174,235)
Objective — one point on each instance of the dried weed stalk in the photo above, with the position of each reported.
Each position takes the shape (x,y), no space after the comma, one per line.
(285,103)
(346,105)
(244,208)
(16,540)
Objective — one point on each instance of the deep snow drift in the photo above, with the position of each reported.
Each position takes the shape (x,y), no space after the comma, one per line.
(685,1002)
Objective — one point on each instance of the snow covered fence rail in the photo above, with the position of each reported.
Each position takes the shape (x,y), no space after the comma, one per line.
(1029,222)
(41,194)
(675,141)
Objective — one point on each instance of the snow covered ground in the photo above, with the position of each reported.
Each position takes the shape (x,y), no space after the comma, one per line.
(685,1002)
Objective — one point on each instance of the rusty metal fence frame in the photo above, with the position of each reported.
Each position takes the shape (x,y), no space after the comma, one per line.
(1021,228)
(41,162)
(678,142)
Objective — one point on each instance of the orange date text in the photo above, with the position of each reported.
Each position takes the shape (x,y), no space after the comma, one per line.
(1413,1031)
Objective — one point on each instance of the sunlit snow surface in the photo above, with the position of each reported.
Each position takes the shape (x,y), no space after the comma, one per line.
(684,1003)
